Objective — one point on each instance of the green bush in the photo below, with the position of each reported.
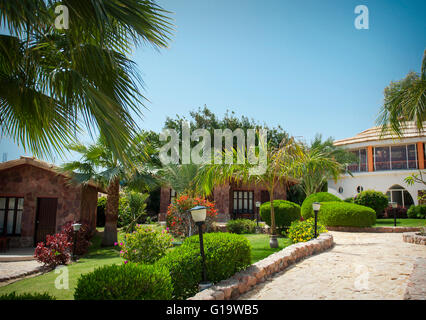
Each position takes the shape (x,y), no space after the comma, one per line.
(417,212)
(26,296)
(307,211)
(145,245)
(375,200)
(125,282)
(343,214)
(285,213)
(132,211)
(350,200)
(226,254)
(302,231)
(240,226)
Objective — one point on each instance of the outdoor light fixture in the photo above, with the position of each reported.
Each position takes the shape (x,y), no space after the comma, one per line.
(394,205)
(198,214)
(76,227)
(258,212)
(316,206)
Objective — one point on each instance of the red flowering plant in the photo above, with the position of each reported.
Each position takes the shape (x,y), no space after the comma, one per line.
(83,236)
(55,251)
(179,220)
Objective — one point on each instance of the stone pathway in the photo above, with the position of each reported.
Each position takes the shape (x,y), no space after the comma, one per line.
(360,266)
(12,270)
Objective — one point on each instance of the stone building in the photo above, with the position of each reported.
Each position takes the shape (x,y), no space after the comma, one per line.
(36,200)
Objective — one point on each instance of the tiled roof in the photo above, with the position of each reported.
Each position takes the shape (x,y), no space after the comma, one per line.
(375,133)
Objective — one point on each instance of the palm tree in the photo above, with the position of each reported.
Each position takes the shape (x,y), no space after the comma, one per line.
(180,178)
(56,83)
(279,170)
(98,163)
(405,100)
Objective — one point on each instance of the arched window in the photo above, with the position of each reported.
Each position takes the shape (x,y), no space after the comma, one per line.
(400,195)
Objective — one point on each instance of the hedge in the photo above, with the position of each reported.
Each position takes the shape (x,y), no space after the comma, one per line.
(417,212)
(240,226)
(125,282)
(226,254)
(307,211)
(285,213)
(375,200)
(343,214)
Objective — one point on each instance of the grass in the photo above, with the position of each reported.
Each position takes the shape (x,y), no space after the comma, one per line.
(260,246)
(99,256)
(400,223)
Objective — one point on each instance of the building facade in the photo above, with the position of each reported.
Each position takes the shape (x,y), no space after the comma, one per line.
(384,161)
(35,201)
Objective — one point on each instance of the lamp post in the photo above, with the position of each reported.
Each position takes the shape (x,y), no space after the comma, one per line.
(258,208)
(394,205)
(316,206)
(198,214)
(76,228)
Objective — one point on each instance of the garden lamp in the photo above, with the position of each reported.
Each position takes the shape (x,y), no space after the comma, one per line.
(198,214)
(394,205)
(316,207)
(258,212)
(76,227)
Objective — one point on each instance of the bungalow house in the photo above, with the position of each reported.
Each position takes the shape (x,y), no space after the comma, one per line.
(36,200)
(383,164)
(232,200)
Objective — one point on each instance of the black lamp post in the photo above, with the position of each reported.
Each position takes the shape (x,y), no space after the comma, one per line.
(76,228)
(316,206)
(198,214)
(394,205)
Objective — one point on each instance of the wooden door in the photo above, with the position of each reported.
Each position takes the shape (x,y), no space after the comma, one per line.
(45,218)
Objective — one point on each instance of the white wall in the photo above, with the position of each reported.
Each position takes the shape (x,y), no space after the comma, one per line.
(379,181)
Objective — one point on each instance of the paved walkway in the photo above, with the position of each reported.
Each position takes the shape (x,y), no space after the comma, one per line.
(12,270)
(360,266)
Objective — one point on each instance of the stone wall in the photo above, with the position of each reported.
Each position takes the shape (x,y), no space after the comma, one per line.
(258,272)
(414,237)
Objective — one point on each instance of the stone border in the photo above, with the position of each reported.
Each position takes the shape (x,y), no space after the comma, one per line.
(258,272)
(416,288)
(39,269)
(375,229)
(413,237)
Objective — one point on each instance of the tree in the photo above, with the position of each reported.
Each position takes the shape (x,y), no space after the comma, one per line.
(405,100)
(180,177)
(279,170)
(56,83)
(98,163)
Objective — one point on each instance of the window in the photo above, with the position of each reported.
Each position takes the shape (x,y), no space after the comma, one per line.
(243,202)
(401,196)
(361,164)
(11,215)
(172,195)
(395,157)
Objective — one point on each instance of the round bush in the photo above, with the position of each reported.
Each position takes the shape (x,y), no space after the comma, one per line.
(307,211)
(125,282)
(302,231)
(285,213)
(375,200)
(417,212)
(240,226)
(226,254)
(343,214)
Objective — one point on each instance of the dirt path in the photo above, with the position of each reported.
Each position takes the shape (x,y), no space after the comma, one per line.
(360,266)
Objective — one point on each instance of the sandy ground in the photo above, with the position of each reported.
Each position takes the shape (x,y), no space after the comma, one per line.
(360,266)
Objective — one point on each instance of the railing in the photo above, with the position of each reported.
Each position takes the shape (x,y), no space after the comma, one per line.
(395,165)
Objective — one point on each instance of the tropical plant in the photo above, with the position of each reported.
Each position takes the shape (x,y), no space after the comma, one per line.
(180,177)
(404,100)
(134,211)
(98,163)
(55,84)
(278,172)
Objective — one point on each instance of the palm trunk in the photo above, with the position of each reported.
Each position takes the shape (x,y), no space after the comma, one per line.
(111,214)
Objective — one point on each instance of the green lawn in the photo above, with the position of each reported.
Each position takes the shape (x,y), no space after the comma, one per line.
(400,223)
(99,256)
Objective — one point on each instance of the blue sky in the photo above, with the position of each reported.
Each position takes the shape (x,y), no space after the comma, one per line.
(301,64)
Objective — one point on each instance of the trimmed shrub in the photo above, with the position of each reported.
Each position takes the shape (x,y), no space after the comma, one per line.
(285,213)
(417,212)
(125,282)
(26,296)
(145,245)
(375,200)
(302,231)
(400,212)
(240,226)
(343,214)
(55,251)
(350,200)
(226,254)
(306,209)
